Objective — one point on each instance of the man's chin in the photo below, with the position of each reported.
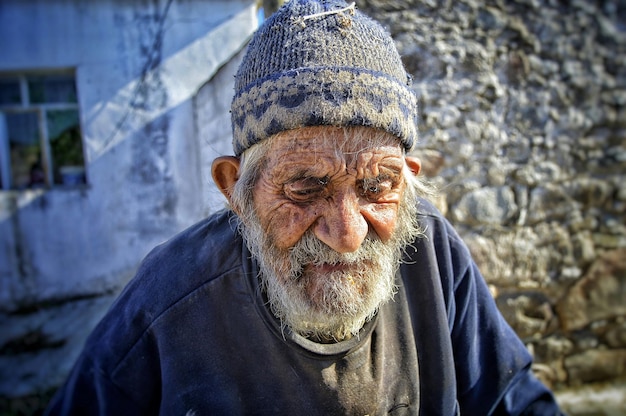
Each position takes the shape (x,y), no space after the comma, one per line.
(336,307)
(327,268)
(334,290)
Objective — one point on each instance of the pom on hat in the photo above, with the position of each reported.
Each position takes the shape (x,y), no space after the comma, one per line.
(318,63)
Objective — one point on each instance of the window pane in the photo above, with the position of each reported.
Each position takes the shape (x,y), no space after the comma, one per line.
(26,161)
(66,147)
(9,91)
(51,89)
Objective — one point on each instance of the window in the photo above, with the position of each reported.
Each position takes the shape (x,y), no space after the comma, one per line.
(40,139)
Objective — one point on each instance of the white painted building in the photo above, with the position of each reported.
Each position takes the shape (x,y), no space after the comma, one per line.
(148,133)
(111,112)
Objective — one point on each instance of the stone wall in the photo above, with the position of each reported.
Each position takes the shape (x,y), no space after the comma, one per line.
(523,128)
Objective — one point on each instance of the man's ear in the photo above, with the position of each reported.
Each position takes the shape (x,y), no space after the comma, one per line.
(414,164)
(225,172)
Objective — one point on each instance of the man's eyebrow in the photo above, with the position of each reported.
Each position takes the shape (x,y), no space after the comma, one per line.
(386,167)
(292,175)
(391,164)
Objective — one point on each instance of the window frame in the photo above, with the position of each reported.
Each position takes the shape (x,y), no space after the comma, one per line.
(41,109)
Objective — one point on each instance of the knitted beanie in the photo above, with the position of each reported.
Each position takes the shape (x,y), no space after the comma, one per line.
(317,62)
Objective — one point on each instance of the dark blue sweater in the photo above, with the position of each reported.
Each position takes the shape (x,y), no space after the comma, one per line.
(191,335)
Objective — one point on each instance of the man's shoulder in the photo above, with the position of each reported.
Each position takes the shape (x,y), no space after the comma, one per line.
(194,257)
(439,236)
(426,208)
(192,261)
(431,218)
(200,245)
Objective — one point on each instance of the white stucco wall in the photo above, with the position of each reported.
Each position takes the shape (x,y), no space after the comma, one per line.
(139,66)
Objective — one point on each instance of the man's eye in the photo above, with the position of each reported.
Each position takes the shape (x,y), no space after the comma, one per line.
(375,188)
(307,188)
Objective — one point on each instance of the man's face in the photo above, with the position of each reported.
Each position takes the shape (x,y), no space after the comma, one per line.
(326,210)
(339,189)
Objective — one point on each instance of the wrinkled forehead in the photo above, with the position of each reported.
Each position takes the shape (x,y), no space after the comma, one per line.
(329,151)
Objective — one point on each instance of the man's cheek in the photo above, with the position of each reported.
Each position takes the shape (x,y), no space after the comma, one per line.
(382,218)
(289,224)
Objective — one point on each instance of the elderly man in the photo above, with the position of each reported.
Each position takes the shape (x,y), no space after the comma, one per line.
(330,286)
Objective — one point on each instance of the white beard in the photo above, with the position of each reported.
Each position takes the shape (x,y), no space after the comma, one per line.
(328,305)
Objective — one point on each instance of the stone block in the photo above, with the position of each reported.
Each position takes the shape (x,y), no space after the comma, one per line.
(486,206)
(596,365)
(529,313)
(599,294)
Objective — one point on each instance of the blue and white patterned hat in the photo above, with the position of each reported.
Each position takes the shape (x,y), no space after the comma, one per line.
(318,63)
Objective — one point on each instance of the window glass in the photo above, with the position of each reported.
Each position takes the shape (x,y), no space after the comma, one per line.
(51,89)
(9,91)
(27,170)
(66,147)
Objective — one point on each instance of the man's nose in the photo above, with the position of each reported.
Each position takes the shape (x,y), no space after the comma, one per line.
(342,227)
